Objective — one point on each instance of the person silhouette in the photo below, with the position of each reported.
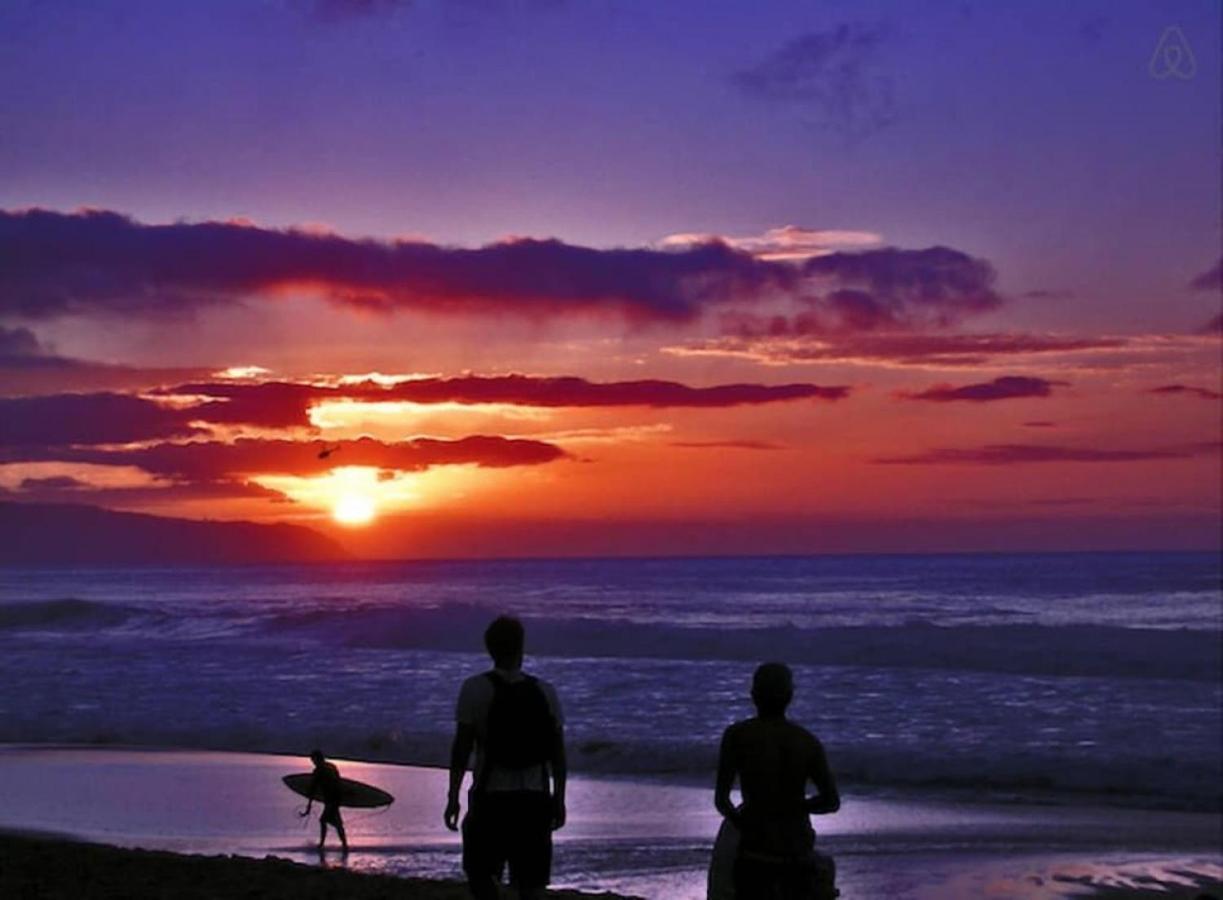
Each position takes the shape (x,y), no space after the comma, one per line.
(517,795)
(773,760)
(326,786)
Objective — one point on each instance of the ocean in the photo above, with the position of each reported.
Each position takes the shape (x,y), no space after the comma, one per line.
(1003,675)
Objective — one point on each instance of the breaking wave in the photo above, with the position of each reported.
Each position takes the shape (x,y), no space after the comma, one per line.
(1075,650)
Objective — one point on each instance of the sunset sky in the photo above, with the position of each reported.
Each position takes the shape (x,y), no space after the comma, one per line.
(552,278)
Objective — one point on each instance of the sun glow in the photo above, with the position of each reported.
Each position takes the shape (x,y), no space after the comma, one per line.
(354,509)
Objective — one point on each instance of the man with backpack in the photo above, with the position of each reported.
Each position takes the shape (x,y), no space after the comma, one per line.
(513,721)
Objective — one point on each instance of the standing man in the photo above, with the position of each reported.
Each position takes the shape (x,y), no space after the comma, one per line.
(517,796)
(774,760)
(325,785)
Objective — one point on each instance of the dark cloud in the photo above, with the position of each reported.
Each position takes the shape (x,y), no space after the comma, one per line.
(207,462)
(1210,280)
(883,290)
(27,366)
(833,75)
(99,418)
(107,418)
(285,404)
(18,344)
(54,264)
(1007,387)
(1018,454)
(53,483)
(526,390)
(1040,424)
(1189,390)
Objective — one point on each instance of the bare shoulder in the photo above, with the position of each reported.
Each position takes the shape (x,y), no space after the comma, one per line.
(805,737)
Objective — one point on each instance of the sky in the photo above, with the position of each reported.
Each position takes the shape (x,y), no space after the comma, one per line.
(552,277)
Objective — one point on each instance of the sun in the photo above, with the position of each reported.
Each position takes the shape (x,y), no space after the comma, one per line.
(354,509)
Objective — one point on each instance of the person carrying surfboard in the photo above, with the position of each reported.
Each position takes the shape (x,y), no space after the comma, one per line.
(326,785)
(514,723)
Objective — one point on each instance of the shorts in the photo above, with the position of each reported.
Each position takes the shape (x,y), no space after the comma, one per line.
(331,816)
(812,877)
(513,827)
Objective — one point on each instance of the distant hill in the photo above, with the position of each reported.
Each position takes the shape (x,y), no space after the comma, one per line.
(69,534)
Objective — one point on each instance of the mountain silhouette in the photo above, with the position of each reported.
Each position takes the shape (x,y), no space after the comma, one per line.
(73,534)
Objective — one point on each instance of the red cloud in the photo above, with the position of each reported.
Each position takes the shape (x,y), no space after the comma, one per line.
(1008,387)
(103,418)
(1011,454)
(1204,393)
(782,344)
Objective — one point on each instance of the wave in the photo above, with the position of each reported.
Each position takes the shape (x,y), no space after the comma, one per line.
(1073,650)
(68,614)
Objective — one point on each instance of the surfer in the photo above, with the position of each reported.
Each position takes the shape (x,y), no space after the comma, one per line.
(326,785)
(773,760)
(517,795)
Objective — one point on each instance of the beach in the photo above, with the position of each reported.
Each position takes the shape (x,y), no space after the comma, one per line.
(630,837)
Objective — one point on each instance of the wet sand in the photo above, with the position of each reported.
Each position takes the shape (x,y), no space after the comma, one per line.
(47,869)
(634,838)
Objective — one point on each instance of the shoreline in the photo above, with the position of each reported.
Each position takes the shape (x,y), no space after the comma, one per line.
(934,790)
(632,837)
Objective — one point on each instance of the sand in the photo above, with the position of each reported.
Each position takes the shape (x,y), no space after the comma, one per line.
(38,868)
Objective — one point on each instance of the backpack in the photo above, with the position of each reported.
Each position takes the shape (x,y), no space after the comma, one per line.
(521,730)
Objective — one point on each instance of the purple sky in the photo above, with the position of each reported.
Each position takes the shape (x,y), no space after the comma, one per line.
(1043,187)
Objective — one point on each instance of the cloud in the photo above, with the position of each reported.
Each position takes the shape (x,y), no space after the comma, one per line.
(53,483)
(936,286)
(1020,454)
(1189,390)
(18,344)
(185,410)
(284,404)
(894,348)
(832,74)
(99,418)
(1040,423)
(527,390)
(1214,326)
(214,461)
(1210,280)
(94,261)
(789,242)
(1007,387)
(882,290)
(1047,294)
(28,366)
(727,445)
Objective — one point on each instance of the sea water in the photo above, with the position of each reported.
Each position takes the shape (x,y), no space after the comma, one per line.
(998,674)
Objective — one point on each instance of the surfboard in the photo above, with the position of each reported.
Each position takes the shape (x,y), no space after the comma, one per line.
(356,794)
